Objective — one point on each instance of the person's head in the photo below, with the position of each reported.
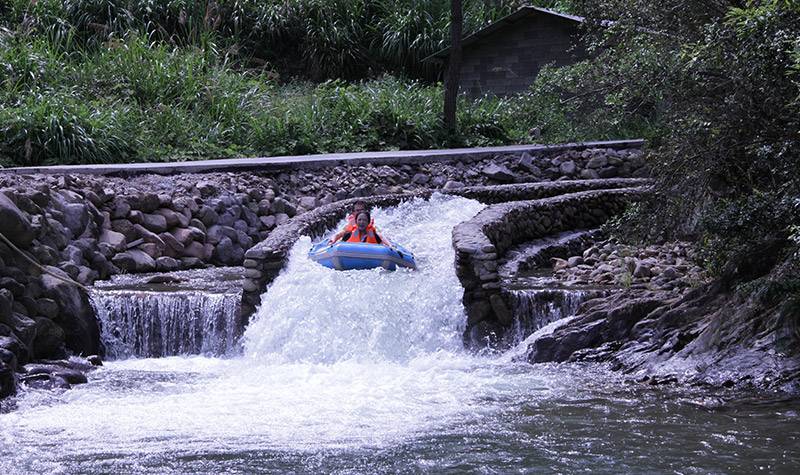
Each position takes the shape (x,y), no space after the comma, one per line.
(362,220)
(358,207)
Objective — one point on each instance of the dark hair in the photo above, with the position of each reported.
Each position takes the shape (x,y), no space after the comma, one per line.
(363,204)
(369,217)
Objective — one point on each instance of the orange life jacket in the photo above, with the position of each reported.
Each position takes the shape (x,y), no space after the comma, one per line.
(369,236)
(351,226)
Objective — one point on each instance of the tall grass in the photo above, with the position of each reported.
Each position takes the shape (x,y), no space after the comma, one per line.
(88,81)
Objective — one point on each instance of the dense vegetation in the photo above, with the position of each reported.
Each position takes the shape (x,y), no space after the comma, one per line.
(718,85)
(120,80)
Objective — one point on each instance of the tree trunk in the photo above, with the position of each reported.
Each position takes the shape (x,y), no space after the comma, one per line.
(453,65)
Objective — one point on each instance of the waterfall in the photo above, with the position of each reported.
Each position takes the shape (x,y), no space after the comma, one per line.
(318,315)
(536,308)
(140,323)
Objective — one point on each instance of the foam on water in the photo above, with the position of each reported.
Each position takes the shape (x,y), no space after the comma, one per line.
(315,314)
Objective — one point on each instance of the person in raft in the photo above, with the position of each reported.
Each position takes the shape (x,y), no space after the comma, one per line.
(364,231)
(358,207)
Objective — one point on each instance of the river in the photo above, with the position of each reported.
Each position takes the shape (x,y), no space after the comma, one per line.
(364,372)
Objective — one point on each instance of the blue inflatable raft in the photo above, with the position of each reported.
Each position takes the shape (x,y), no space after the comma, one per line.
(356,255)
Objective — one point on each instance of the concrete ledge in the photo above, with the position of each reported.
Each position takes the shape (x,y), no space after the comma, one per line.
(294,162)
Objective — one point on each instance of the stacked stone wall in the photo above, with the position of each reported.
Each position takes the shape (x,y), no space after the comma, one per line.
(482,241)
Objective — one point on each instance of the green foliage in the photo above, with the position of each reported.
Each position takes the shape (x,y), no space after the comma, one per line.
(55,129)
(714,86)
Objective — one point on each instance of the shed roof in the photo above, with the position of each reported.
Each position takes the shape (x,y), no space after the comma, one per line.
(507,20)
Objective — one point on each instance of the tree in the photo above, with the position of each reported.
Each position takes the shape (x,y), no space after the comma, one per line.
(453,65)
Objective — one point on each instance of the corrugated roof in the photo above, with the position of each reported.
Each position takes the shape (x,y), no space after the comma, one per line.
(502,23)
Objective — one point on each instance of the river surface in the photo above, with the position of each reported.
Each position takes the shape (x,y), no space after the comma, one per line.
(364,372)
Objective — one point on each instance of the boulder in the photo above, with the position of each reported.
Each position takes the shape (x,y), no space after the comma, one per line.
(453,185)
(49,341)
(499,173)
(420,179)
(567,168)
(8,380)
(154,222)
(134,260)
(172,218)
(115,240)
(16,227)
(76,218)
(167,264)
(308,202)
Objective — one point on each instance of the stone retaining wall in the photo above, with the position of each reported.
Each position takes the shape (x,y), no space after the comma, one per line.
(481,241)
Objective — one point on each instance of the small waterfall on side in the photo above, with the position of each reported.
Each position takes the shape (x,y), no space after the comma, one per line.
(181,313)
(536,308)
(153,324)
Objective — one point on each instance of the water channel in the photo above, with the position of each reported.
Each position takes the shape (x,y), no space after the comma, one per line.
(364,372)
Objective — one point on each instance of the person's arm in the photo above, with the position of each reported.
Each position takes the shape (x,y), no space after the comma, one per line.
(337,236)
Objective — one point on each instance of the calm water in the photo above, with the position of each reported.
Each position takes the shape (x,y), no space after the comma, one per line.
(363,372)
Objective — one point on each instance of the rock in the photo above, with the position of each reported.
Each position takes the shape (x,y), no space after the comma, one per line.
(150,237)
(94,360)
(608,172)
(172,218)
(268,221)
(167,264)
(453,185)
(558,263)
(420,179)
(499,173)
(589,174)
(23,327)
(206,188)
(642,270)
(281,218)
(308,202)
(6,300)
(195,249)
(76,218)
(49,341)
(47,308)
(124,227)
(148,202)
(134,260)
(227,253)
(8,381)
(598,161)
(567,168)
(16,227)
(120,208)
(11,344)
(154,222)
(172,242)
(527,163)
(115,240)
(669,273)
(575,261)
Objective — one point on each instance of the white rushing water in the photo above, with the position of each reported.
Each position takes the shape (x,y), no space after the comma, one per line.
(152,324)
(348,372)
